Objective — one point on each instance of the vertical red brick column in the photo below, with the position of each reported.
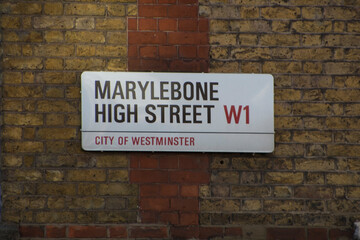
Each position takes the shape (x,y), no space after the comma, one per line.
(169,189)
(168,35)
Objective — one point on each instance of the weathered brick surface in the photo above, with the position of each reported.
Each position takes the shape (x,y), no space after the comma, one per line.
(307,189)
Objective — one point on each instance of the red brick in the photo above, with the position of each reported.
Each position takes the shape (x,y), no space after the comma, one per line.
(169,162)
(189,177)
(134,65)
(233,231)
(184,232)
(188,25)
(189,219)
(182,11)
(169,190)
(210,232)
(193,161)
(147,24)
(146,1)
(169,217)
(149,190)
(166,1)
(148,176)
(148,52)
(132,23)
(55,231)
(188,2)
(203,25)
(148,65)
(285,233)
(148,162)
(203,52)
(133,52)
(155,204)
(336,234)
(167,24)
(146,38)
(149,216)
(191,38)
(118,231)
(31,231)
(317,234)
(188,51)
(189,191)
(148,232)
(152,11)
(185,204)
(87,231)
(189,66)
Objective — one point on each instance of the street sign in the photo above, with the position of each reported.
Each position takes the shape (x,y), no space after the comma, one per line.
(177,112)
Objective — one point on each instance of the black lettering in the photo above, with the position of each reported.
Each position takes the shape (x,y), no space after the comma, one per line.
(102,92)
(209,107)
(117,113)
(174,112)
(130,89)
(162,107)
(163,90)
(196,113)
(134,112)
(118,90)
(213,91)
(188,93)
(201,90)
(101,113)
(153,115)
(153,92)
(143,88)
(185,114)
(175,88)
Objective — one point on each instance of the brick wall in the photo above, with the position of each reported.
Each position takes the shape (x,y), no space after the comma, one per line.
(307,189)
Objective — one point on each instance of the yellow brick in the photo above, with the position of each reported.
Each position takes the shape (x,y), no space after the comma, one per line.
(245,39)
(311,109)
(250,53)
(57,133)
(347,13)
(339,27)
(314,165)
(86,203)
(111,24)
(116,10)
(313,67)
(55,8)
(57,50)
(84,9)
(54,36)
(342,40)
(347,95)
(280,26)
(54,64)
(312,137)
(10,22)
(132,10)
(353,27)
(219,53)
(223,39)
(282,67)
(87,189)
(85,50)
(57,106)
(224,11)
(280,40)
(312,26)
(118,189)
(73,120)
(11,50)
(312,13)
(287,94)
(54,175)
(117,65)
(284,177)
(54,217)
(347,81)
(315,178)
(311,40)
(224,67)
(24,147)
(85,23)
(219,26)
(312,54)
(28,119)
(249,26)
(343,150)
(23,63)
(14,133)
(280,13)
(13,105)
(342,178)
(12,77)
(12,161)
(22,91)
(85,64)
(282,191)
(55,189)
(283,205)
(111,51)
(313,95)
(84,37)
(25,175)
(250,67)
(118,175)
(57,77)
(54,22)
(249,12)
(86,175)
(222,205)
(116,37)
(29,133)
(313,192)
